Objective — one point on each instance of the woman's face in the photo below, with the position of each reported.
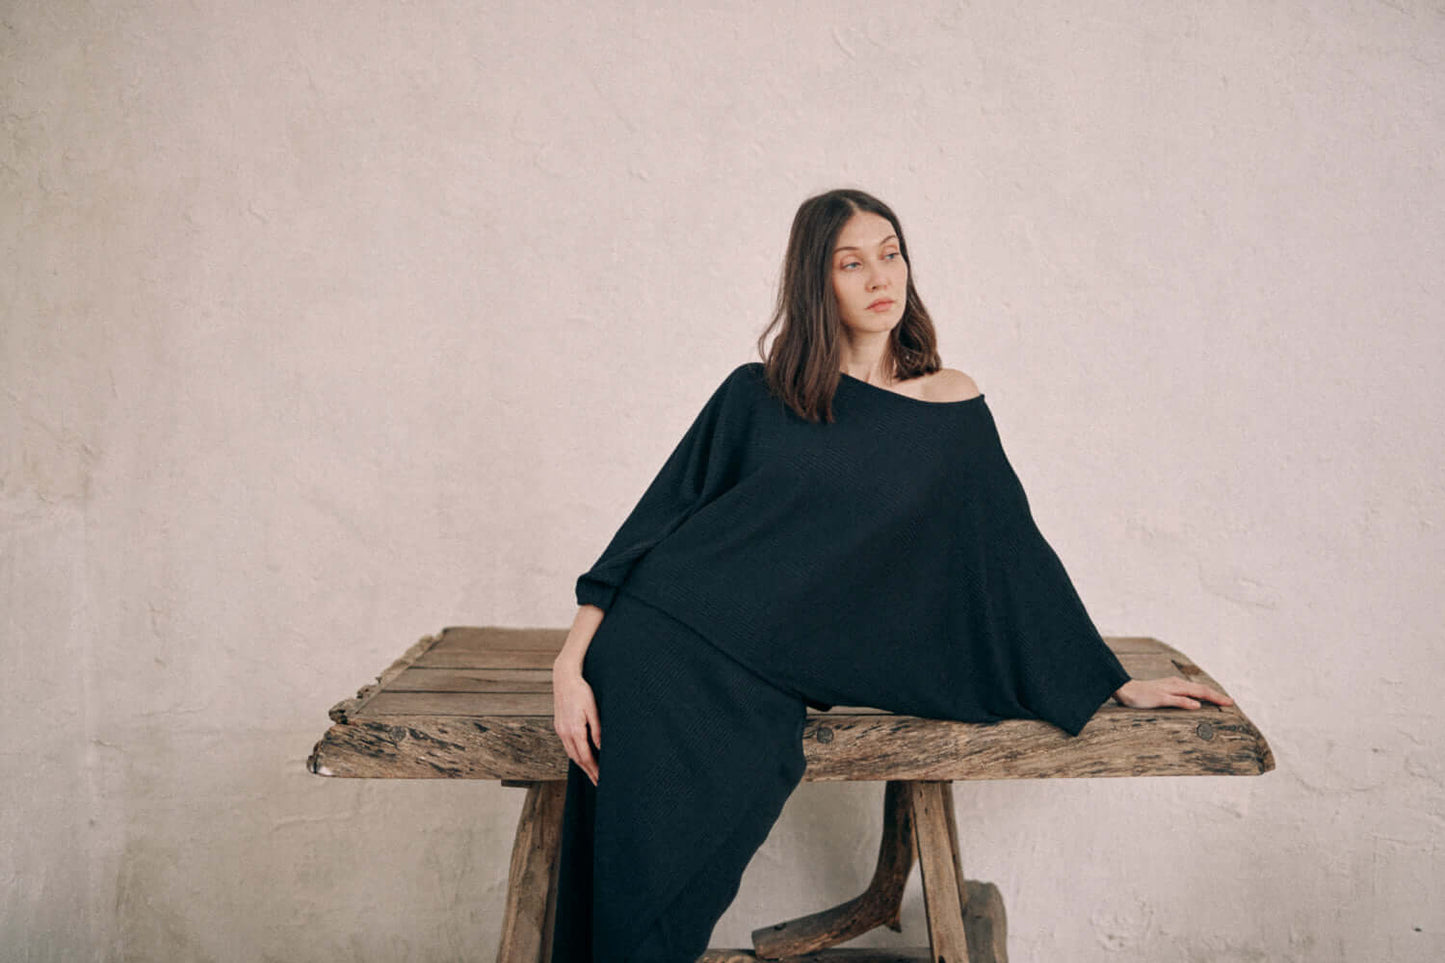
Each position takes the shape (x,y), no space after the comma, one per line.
(868,268)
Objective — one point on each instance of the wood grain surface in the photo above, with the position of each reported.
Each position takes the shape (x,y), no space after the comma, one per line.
(476,703)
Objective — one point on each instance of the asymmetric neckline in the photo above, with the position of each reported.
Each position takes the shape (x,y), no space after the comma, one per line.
(916,401)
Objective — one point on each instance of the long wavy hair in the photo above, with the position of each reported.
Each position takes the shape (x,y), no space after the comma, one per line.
(803,366)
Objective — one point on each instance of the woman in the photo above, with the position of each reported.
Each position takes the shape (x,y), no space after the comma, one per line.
(839,526)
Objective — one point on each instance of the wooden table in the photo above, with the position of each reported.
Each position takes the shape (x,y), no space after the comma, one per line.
(476,703)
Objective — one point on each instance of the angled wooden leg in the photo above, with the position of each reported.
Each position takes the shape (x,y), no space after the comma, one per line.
(878,905)
(531,883)
(943,889)
(983,916)
(984,922)
(966,921)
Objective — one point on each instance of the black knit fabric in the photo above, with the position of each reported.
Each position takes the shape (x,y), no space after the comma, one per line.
(699,754)
(886,559)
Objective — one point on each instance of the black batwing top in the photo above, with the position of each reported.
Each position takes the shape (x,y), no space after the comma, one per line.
(886,559)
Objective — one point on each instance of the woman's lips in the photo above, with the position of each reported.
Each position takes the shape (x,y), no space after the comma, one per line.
(880,305)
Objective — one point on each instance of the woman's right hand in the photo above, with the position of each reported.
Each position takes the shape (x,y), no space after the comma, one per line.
(1170,691)
(574,711)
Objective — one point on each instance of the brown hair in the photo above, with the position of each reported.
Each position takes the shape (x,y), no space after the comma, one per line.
(804,363)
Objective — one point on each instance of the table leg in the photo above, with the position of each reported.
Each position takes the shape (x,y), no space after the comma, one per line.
(531,883)
(876,906)
(983,920)
(965,917)
(943,890)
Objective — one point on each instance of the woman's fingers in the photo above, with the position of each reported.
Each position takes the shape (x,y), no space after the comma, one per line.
(574,741)
(587,761)
(1214,695)
(1182,689)
(591,764)
(1201,691)
(579,750)
(590,721)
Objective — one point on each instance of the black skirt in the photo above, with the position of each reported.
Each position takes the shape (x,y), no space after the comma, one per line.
(699,754)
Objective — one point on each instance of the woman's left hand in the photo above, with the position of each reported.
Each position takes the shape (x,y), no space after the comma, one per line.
(1169,691)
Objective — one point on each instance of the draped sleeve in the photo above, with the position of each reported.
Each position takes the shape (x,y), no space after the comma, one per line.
(1061,668)
(703,465)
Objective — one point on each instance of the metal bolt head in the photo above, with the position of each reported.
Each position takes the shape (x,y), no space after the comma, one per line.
(824,734)
(1204,731)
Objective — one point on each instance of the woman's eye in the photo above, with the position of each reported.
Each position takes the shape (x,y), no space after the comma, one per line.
(891,254)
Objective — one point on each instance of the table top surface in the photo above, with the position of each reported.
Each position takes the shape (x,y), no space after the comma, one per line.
(476,702)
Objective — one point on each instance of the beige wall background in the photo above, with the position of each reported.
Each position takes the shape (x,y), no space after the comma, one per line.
(328,325)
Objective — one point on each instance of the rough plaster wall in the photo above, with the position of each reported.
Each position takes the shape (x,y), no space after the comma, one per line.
(328,325)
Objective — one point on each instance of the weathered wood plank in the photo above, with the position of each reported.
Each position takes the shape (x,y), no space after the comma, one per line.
(429,679)
(839,954)
(512,702)
(437,675)
(501,647)
(349,707)
(1116,742)
(499,688)
(551,639)
(441,747)
(1135,643)
(496,637)
(459,704)
(428,717)
(1157,665)
(463,657)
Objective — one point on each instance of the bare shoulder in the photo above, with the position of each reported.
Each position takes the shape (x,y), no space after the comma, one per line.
(950,384)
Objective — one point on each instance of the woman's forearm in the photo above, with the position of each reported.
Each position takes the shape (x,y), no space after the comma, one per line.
(584,626)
